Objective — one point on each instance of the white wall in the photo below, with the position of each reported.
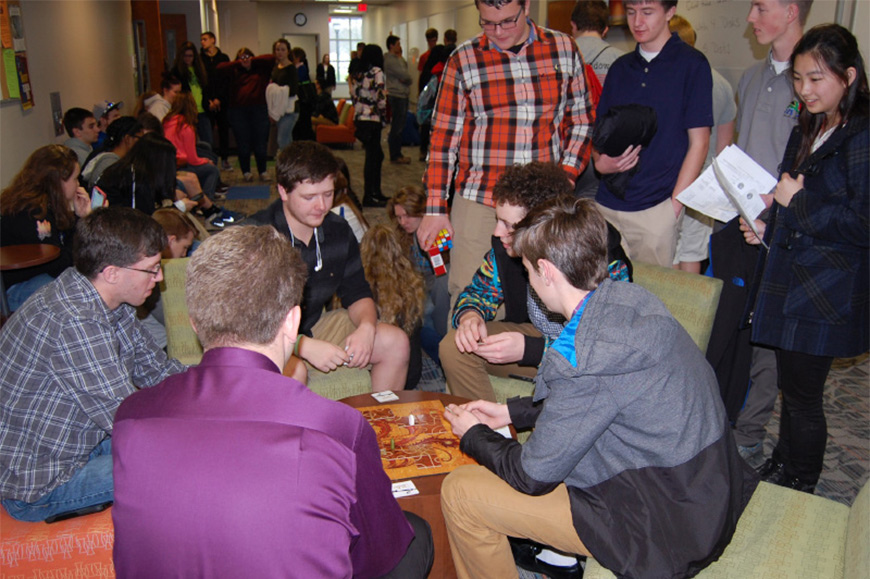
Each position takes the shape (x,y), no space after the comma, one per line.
(81,48)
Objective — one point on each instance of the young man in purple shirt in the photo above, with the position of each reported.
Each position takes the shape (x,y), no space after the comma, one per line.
(231,469)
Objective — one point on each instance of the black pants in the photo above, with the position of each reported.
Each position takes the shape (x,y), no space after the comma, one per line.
(369,134)
(223,124)
(420,555)
(803,431)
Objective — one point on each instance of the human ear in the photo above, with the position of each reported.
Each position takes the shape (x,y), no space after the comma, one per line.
(851,75)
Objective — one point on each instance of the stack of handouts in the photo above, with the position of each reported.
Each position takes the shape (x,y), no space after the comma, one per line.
(731,185)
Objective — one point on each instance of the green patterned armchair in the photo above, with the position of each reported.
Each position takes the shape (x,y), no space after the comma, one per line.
(183,344)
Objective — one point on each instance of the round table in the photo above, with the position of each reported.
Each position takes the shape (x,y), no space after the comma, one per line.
(20,257)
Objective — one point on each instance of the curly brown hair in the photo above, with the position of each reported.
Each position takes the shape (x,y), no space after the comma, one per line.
(530,185)
(37,186)
(398,288)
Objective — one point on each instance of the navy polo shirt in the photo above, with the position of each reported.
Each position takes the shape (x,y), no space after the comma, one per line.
(341,273)
(679,86)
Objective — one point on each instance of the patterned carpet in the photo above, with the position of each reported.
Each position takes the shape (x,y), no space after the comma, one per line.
(847,395)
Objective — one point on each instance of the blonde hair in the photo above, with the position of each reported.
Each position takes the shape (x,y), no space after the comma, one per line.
(398,288)
(684,29)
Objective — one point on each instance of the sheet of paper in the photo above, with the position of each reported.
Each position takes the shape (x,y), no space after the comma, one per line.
(385,396)
(404,489)
(748,179)
(11,71)
(736,199)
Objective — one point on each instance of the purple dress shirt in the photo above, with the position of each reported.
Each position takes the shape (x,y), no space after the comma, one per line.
(232,470)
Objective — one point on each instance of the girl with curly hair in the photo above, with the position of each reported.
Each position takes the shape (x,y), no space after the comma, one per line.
(397,287)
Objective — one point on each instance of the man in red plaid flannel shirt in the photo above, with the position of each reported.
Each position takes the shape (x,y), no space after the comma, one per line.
(513,94)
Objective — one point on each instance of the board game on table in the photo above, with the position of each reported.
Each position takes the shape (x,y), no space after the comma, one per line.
(426,447)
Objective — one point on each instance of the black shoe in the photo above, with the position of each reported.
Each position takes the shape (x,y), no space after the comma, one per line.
(793,482)
(771,471)
(372,201)
(525,554)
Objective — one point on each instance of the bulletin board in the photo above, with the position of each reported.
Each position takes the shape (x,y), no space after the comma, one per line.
(14,75)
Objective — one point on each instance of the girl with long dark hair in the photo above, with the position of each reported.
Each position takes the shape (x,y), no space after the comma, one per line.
(370,107)
(191,71)
(813,298)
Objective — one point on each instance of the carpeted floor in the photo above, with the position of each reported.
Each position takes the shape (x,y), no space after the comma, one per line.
(847,396)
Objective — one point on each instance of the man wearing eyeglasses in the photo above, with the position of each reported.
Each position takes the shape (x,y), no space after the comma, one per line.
(513,94)
(68,357)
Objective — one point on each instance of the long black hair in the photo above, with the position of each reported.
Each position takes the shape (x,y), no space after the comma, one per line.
(834,48)
(372,55)
(144,177)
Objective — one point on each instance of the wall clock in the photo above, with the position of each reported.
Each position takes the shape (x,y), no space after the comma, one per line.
(300,19)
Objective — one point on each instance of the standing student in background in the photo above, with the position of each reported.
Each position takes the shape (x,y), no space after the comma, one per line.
(695,228)
(194,79)
(398,90)
(326,74)
(218,103)
(284,74)
(589,27)
(246,79)
(767,111)
(370,109)
(813,296)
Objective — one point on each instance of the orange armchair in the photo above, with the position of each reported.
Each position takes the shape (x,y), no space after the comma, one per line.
(344,131)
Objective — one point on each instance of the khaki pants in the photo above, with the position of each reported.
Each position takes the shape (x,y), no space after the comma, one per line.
(468,374)
(481,511)
(650,235)
(473,225)
(333,327)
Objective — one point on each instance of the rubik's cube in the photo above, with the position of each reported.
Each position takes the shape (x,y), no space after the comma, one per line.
(442,243)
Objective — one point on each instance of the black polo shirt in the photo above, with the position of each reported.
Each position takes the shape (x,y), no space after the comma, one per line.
(342,272)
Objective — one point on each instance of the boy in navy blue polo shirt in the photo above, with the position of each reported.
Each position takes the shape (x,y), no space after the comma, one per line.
(674,79)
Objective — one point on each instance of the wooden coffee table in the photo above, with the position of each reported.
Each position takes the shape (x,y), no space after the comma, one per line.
(20,257)
(428,503)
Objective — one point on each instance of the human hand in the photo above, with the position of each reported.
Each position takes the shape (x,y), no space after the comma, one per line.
(82,203)
(787,187)
(749,235)
(322,355)
(502,348)
(460,419)
(492,414)
(189,204)
(429,227)
(606,164)
(678,207)
(359,345)
(470,332)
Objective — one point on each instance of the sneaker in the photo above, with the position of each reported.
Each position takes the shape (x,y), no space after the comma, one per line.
(264,176)
(248,177)
(793,482)
(226,218)
(401,161)
(225,165)
(747,453)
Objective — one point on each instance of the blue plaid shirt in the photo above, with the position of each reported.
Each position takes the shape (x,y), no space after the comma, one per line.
(66,362)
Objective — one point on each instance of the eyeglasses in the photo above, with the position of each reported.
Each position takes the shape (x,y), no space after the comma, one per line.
(152,272)
(245,57)
(506,24)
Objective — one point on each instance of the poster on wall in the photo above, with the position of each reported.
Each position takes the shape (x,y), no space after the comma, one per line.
(17,26)
(5,27)
(24,81)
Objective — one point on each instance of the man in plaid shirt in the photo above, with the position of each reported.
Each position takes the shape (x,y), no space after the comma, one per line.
(68,357)
(514,94)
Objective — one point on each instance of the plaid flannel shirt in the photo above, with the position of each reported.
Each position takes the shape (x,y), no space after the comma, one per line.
(496,109)
(66,363)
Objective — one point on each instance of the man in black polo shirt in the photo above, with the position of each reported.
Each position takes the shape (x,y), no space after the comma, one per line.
(351,335)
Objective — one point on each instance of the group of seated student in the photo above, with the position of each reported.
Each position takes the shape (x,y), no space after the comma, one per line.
(652,464)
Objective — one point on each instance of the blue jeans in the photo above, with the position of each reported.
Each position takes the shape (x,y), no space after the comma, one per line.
(399,106)
(285,129)
(251,127)
(17,294)
(208,176)
(90,485)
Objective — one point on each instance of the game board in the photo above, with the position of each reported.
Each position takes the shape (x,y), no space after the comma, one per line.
(427,448)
